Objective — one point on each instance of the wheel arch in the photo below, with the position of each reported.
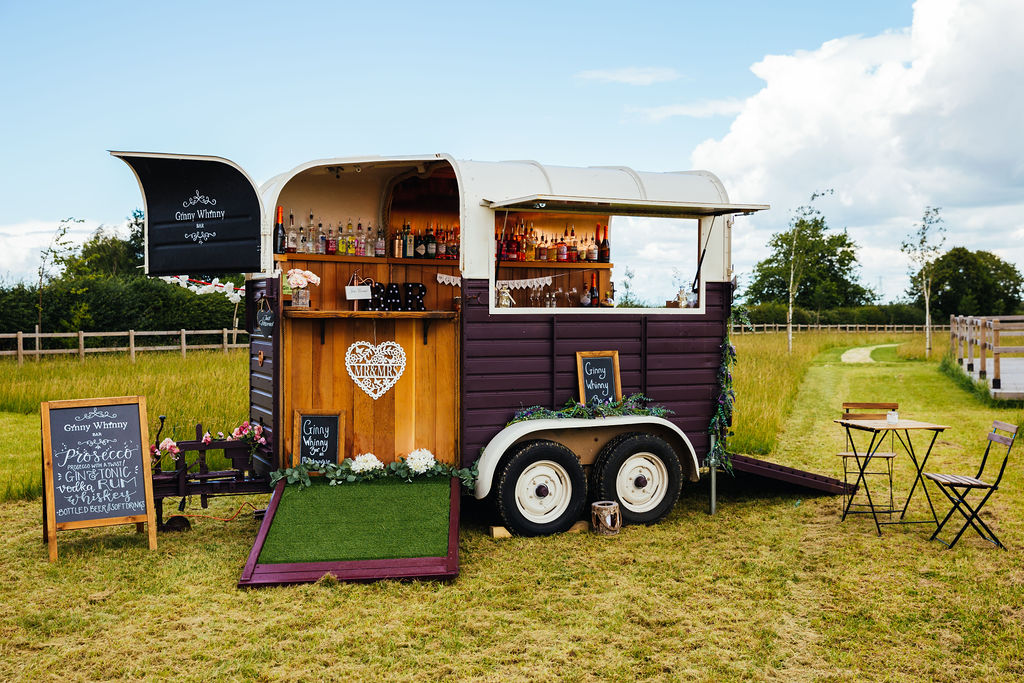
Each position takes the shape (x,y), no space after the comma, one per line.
(587,446)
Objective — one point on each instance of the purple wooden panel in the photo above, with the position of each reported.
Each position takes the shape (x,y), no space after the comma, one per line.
(657,345)
(506,363)
(696,361)
(495,348)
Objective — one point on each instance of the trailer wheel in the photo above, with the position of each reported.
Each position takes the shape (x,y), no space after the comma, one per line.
(542,489)
(640,471)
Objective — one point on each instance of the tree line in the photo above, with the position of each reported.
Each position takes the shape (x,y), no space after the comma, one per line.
(99,286)
(812,276)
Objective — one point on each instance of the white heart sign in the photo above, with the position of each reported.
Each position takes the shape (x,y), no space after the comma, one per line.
(375,369)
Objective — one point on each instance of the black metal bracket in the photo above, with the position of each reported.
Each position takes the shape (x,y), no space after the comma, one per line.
(323,331)
(426,329)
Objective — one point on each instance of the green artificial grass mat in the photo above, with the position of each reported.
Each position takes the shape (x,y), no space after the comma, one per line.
(373,520)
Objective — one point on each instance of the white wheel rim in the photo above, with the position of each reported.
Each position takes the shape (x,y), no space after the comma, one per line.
(642,482)
(543,491)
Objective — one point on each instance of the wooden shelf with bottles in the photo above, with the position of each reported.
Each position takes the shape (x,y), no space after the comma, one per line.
(290,312)
(339,258)
(585,265)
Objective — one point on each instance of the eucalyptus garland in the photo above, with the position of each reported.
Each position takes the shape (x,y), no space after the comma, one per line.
(721,419)
(635,404)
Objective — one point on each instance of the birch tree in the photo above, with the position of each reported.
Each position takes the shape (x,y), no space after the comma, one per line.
(922,247)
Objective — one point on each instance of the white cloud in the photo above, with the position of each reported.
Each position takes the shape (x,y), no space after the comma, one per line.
(929,115)
(22,243)
(702,109)
(648,75)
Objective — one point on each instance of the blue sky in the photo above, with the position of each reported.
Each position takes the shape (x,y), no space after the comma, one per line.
(653,85)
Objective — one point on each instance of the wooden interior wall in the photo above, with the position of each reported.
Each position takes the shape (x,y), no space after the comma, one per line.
(421,410)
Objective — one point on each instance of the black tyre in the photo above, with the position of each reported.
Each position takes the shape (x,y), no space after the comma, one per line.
(541,489)
(642,473)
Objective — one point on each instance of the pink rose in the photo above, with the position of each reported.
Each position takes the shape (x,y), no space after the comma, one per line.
(207,438)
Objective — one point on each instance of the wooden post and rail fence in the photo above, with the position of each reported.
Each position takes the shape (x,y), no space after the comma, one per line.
(29,343)
(985,335)
(760,328)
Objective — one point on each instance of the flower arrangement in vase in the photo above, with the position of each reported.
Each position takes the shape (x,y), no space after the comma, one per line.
(299,280)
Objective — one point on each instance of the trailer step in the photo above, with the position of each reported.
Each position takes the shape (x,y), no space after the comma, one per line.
(790,475)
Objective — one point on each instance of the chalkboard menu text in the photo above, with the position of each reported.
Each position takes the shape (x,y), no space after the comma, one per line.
(318,436)
(598,373)
(96,466)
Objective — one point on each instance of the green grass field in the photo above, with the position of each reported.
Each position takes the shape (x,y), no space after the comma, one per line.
(772,588)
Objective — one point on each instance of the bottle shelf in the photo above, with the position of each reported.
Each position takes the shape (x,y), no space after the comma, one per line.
(310,313)
(584,265)
(335,258)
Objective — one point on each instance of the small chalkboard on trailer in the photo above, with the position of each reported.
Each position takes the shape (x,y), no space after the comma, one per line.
(318,436)
(96,469)
(598,373)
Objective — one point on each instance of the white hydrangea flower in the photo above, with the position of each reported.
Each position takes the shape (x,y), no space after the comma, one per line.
(367,462)
(420,460)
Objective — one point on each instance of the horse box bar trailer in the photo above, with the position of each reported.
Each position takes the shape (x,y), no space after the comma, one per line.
(468,339)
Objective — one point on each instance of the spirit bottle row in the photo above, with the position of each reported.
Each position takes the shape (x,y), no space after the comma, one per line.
(314,238)
(441,243)
(523,243)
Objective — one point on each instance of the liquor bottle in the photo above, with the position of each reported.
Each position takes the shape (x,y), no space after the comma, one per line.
(407,241)
(430,243)
(293,235)
(302,241)
(280,240)
(552,249)
(332,240)
(419,247)
(442,244)
(605,250)
(572,252)
(594,295)
(396,245)
(380,248)
(321,238)
(563,247)
(310,235)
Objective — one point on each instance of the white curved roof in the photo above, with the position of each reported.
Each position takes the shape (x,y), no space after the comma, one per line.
(486,186)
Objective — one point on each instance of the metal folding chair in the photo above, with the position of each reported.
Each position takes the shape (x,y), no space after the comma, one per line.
(875,411)
(957,488)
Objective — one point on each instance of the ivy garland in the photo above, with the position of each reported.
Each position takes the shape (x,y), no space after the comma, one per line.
(634,404)
(721,420)
(345,474)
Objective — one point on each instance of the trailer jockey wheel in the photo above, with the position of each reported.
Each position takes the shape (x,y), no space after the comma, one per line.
(640,471)
(541,489)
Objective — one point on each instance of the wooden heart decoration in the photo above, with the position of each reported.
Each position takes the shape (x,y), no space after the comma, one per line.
(375,369)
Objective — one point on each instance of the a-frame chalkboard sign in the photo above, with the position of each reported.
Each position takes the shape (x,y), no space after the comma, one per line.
(96,469)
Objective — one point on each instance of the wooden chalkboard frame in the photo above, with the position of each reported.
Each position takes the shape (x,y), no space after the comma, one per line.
(297,431)
(614,355)
(50,525)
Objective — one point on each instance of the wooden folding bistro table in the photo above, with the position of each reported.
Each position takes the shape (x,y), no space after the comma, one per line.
(901,429)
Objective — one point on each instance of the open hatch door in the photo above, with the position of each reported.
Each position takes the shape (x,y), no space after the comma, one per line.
(203,215)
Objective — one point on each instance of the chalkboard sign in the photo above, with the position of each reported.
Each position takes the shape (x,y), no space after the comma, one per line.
(96,468)
(599,376)
(203,214)
(317,436)
(265,321)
